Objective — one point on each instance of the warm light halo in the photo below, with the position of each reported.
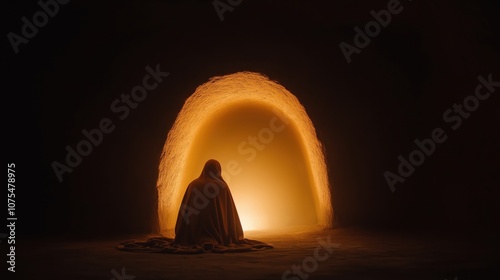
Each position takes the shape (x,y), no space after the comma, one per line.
(218,93)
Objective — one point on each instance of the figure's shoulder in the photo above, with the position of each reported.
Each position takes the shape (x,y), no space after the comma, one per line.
(196,183)
(208,185)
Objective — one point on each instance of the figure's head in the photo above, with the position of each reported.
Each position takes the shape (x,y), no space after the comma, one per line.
(212,169)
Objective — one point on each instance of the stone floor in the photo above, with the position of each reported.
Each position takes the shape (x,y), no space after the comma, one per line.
(362,254)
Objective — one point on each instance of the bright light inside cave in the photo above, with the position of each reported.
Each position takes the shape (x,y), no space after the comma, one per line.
(266,144)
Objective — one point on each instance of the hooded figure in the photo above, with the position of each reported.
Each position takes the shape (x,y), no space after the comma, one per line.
(207,222)
(208,213)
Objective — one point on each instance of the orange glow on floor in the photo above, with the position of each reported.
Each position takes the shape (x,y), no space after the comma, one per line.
(266,144)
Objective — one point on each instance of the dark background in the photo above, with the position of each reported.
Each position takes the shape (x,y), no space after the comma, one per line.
(366,113)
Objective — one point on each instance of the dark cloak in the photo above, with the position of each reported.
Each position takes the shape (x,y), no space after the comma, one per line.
(207,221)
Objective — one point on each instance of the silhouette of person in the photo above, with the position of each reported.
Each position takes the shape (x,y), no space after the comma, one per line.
(207,221)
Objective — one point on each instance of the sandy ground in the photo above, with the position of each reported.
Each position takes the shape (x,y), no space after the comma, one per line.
(362,255)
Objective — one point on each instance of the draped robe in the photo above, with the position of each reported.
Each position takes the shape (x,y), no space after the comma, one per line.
(208,221)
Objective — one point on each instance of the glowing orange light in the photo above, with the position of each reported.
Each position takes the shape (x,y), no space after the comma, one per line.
(181,159)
